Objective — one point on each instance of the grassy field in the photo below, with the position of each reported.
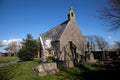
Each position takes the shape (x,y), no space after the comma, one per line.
(84,71)
(7,59)
(23,71)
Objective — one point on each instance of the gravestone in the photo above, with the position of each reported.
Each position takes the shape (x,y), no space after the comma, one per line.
(89,54)
(45,69)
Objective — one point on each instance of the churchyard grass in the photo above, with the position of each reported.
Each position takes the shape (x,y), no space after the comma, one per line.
(18,71)
(84,71)
(23,71)
(7,59)
(90,66)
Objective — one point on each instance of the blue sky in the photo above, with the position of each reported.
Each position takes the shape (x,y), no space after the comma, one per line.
(20,17)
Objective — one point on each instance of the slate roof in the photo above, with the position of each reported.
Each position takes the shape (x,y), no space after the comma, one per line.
(55,33)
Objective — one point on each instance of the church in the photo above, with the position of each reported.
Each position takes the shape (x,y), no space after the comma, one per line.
(55,40)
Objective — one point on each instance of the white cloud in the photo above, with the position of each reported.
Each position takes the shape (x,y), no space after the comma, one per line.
(6,42)
(14,40)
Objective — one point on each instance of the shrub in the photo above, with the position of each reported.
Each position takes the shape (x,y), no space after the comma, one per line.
(29,49)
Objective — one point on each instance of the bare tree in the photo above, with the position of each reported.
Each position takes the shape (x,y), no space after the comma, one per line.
(13,47)
(101,43)
(110,14)
(117,45)
(97,43)
(90,39)
(1,43)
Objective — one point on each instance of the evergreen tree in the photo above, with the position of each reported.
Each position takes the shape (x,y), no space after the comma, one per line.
(29,48)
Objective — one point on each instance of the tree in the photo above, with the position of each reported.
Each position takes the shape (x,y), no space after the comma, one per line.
(111,14)
(1,43)
(101,43)
(96,42)
(29,48)
(13,47)
(91,39)
(117,45)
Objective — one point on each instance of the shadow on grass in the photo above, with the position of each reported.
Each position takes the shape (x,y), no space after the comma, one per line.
(101,75)
(107,71)
(70,73)
(111,71)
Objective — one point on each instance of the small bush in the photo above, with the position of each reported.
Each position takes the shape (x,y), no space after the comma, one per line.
(25,55)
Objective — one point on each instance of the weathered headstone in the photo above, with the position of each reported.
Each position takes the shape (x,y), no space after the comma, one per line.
(45,69)
(89,54)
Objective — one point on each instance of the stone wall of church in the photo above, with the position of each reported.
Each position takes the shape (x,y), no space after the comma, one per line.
(72,33)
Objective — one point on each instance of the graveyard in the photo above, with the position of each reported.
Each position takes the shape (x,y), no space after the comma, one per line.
(84,71)
(60,57)
(60,53)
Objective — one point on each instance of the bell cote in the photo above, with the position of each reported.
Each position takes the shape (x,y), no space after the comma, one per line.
(71,14)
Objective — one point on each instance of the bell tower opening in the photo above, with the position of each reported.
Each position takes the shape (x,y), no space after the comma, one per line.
(71,15)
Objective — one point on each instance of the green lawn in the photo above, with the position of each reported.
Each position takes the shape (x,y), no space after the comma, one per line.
(23,71)
(84,71)
(18,71)
(7,59)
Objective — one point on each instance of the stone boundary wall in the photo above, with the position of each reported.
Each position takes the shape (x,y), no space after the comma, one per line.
(45,69)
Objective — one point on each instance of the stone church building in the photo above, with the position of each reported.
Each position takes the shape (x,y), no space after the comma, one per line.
(68,32)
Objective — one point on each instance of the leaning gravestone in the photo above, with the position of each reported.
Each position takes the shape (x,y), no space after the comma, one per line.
(45,69)
(91,58)
(89,55)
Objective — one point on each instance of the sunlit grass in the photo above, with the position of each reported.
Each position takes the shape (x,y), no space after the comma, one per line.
(18,71)
(23,71)
(8,59)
